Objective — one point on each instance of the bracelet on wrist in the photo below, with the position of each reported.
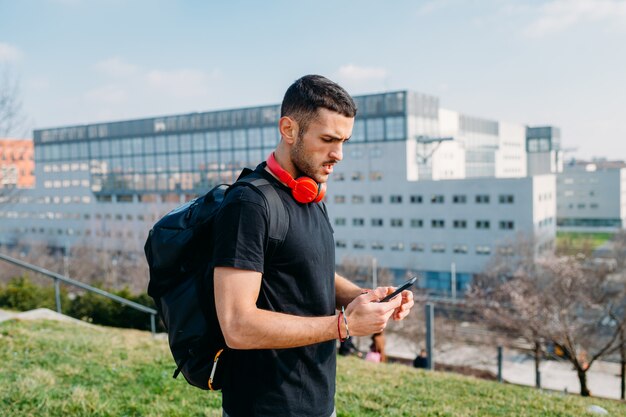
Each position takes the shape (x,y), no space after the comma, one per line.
(339,327)
(345,322)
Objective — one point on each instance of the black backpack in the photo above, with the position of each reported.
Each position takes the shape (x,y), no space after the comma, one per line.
(179,249)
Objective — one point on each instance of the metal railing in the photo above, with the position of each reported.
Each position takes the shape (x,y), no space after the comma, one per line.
(57,291)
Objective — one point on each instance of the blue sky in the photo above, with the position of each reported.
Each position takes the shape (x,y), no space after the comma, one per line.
(558,62)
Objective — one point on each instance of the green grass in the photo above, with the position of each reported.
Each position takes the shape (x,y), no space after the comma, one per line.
(571,243)
(54,369)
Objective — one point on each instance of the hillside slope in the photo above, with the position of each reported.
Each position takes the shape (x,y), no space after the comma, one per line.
(64,369)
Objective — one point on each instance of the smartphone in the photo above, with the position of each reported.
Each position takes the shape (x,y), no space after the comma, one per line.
(398,290)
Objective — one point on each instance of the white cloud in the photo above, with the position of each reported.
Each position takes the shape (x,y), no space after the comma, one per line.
(352,72)
(9,53)
(182,83)
(116,67)
(558,15)
(108,94)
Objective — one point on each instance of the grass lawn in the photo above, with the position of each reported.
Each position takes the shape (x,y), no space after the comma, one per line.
(60,369)
(574,242)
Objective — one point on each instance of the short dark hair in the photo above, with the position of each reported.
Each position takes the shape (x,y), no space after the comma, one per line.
(312,92)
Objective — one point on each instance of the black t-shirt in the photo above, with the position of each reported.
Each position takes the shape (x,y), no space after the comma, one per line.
(298,279)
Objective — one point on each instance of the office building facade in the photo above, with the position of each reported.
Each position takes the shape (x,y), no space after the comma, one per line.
(105,184)
(592,196)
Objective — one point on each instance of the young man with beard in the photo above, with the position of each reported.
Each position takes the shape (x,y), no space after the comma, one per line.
(278,311)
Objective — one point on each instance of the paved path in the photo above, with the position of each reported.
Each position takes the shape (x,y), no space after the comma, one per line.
(603,379)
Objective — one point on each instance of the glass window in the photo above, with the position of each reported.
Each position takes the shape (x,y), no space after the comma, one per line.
(94,149)
(137,145)
(149,146)
(417,223)
(396,222)
(437,223)
(358,131)
(197,141)
(161,163)
(482,224)
(377,222)
(483,250)
(255,157)
(137,163)
(459,224)
(127,146)
(226,139)
(185,142)
(54,151)
(437,199)
(375,129)
(438,248)
(173,161)
(254,138)
(116,147)
(270,136)
(185,161)
(239,137)
(397,246)
(212,160)
(394,128)
(82,150)
(460,249)
(173,144)
(161,144)
(376,199)
(149,161)
(482,199)
(506,199)
(212,143)
(417,247)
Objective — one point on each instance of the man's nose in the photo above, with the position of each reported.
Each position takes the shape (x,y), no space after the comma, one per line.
(337,152)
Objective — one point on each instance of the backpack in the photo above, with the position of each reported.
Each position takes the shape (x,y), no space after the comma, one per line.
(178,250)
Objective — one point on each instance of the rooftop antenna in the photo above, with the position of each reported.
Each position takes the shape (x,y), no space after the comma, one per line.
(424,154)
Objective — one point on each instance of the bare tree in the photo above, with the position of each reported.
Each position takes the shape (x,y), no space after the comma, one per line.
(12,121)
(578,301)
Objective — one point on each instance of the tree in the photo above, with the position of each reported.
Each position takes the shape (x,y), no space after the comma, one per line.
(12,121)
(561,299)
(508,296)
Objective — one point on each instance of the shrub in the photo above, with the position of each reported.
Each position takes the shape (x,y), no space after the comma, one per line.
(22,294)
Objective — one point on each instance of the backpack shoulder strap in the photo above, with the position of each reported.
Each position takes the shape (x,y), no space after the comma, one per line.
(278,216)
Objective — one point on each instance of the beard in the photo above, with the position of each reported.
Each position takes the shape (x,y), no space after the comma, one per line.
(304,165)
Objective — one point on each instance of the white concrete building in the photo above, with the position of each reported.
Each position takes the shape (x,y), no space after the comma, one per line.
(591,196)
(401,194)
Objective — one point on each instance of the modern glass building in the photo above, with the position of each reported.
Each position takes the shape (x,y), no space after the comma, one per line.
(106,184)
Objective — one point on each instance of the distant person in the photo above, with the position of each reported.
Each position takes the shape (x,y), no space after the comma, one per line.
(277,306)
(377,349)
(421,360)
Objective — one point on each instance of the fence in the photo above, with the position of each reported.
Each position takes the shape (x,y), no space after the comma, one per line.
(60,278)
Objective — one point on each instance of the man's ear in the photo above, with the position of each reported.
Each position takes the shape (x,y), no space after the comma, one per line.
(288,129)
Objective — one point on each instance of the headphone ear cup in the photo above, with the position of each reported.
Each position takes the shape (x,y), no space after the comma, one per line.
(321,193)
(305,190)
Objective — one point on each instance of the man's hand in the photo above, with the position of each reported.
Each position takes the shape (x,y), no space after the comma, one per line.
(406,303)
(367,316)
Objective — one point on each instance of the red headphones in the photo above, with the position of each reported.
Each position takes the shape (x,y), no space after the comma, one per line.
(303,189)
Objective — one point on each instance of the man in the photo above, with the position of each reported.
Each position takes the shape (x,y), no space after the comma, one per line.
(277,311)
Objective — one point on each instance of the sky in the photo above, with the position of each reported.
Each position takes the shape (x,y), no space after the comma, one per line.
(552,62)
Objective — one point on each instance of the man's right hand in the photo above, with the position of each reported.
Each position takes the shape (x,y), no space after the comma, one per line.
(367,316)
